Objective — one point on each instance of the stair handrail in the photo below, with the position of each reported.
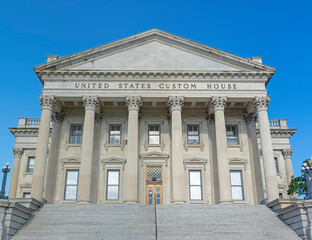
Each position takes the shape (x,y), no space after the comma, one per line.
(155,214)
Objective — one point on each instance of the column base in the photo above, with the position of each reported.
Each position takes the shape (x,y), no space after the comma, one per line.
(225,202)
(176,202)
(131,202)
(83,202)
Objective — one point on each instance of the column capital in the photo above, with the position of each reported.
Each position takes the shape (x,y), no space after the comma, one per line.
(251,118)
(287,152)
(47,102)
(18,152)
(175,103)
(57,116)
(218,103)
(261,103)
(133,102)
(90,102)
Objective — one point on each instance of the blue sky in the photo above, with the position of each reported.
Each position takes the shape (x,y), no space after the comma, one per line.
(280,31)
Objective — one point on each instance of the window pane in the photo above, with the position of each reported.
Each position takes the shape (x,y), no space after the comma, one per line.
(115,134)
(237,193)
(193,140)
(31,164)
(26,195)
(276,164)
(150,195)
(195,193)
(232,134)
(195,178)
(71,193)
(113,177)
(75,134)
(72,178)
(154,140)
(112,192)
(236,178)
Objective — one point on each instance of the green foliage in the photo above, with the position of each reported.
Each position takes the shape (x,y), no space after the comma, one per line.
(298,185)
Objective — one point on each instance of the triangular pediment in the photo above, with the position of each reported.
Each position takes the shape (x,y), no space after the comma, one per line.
(153,155)
(154,50)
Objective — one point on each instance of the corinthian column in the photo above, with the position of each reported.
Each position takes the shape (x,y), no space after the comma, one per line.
(251,120)
(47,103)
(133,103)
(18,152)
(84,183)
(218,105)
(262,104)
(178,188)
(50,179)
(287,153)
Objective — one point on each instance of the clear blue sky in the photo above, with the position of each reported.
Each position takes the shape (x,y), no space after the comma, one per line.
(280,31)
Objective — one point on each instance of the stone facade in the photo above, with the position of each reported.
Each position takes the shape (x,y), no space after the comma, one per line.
(161,114)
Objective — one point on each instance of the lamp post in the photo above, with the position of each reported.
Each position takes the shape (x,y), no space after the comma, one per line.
(307,170)
(5,170)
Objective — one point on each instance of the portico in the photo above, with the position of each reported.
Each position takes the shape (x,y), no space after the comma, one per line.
(154,107)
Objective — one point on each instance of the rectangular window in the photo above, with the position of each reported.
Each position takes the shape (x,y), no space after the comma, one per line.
(115,134)
(30,164)
(195,185)
(153,134)
(276,164)
(112,190)
(232,134)
(193,134)
(26,195)
(71,185)
(237,185)
(75,134)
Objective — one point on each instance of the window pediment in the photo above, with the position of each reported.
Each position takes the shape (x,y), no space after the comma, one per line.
(154,154)
(114,161)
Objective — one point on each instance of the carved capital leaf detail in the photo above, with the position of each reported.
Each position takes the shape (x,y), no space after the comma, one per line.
(218,103)
(287,152)
(57,116)
(133,102)
(18,152)
(261,103)
(90,102)
(176,103)
(251,118)
(47,102)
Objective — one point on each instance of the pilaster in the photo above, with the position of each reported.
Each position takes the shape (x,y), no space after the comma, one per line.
(18,152)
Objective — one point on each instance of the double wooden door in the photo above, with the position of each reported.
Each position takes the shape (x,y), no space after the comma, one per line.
(154,193)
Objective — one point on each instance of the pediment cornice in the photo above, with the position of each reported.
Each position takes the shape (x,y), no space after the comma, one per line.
(244,64)
(153,75)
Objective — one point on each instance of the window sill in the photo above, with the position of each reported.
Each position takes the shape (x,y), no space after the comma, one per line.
(242,202)
(67,201)
(233,145)
(111,202)
(70,145)
(121,146)
(187,146)
(197,202)
(29,173)
(161,146)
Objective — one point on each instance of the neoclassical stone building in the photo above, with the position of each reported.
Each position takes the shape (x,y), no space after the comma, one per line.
(152,117)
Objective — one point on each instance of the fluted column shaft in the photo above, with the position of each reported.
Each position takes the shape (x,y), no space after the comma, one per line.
(262,104)
(287,153)
(18,152)
(251,120)
(133,103)
(84,181)
(47,103)
(50,179)
(178,180)
(218,105)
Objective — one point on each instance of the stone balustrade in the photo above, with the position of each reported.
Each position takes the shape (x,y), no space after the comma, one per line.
(28,122)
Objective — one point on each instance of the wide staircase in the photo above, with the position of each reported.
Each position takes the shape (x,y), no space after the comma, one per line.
(57,222)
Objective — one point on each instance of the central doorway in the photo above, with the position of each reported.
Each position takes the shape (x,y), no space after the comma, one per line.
(154,194)
(154,188)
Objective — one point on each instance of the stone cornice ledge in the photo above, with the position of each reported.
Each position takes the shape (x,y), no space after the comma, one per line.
(20,132)
(154,75)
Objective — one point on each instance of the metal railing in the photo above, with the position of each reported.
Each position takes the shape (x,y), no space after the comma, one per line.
(155,214)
